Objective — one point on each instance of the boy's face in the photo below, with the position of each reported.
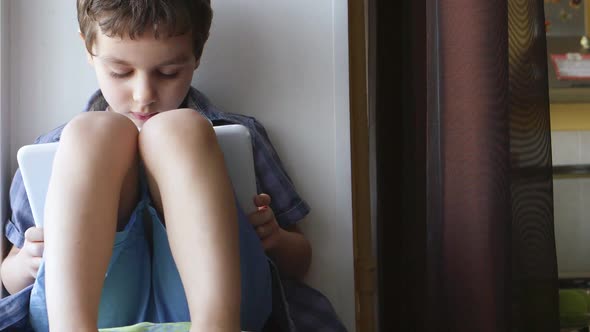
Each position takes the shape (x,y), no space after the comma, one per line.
(143,77)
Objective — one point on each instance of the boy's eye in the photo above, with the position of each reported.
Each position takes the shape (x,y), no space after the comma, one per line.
(118,75)
(162,74)
(168,75)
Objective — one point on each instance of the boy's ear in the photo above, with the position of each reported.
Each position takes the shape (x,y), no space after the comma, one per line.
(197,63)
(89,57)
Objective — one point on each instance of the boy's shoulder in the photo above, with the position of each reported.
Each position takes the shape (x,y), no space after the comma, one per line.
(53,136)
(200,102)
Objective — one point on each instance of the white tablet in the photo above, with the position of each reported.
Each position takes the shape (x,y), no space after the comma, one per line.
(36,162)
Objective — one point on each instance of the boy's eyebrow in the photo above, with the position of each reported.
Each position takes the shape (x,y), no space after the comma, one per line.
(180,59)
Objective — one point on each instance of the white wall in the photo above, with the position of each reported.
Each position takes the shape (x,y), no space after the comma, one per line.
(284,62)
(50,80)
(4,121)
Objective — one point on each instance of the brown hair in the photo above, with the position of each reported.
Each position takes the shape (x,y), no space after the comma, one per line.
(131,18)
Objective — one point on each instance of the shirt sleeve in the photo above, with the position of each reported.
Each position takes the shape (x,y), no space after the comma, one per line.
(272,179)
(22,216)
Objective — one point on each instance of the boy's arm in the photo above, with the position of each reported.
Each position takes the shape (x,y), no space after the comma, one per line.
(292,253)
(19,268)
(15,277)
(287,247)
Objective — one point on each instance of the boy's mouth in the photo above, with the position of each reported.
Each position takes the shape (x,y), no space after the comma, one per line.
(143,116)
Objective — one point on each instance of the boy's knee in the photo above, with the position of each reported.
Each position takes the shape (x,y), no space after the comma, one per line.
(100,127)
(181,124)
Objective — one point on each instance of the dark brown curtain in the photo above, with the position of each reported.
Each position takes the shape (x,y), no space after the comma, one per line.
(473,162)
(400,127)
(463,139)
(534,283)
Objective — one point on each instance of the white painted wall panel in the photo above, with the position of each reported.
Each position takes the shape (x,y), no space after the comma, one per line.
(4,121)
(3,144)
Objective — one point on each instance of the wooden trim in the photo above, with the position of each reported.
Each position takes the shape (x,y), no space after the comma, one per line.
(364,257)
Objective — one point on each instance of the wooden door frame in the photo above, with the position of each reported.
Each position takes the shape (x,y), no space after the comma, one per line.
(364,255)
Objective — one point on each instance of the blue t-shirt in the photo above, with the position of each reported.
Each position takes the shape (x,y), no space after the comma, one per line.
(271,177)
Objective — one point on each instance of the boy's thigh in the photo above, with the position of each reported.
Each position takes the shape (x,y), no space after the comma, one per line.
(256,284)
(126,290)
(154,192)
(116,136)
(180,128)
(130,195)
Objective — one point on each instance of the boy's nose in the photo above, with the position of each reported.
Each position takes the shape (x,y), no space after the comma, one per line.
(144,93)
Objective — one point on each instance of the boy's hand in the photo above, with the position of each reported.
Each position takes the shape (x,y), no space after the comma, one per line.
(264,222)
(32,251)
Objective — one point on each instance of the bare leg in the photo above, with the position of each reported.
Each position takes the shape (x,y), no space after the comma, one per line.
(95,157)
(187,177)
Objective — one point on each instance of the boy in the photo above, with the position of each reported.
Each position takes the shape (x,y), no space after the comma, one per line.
(118,196)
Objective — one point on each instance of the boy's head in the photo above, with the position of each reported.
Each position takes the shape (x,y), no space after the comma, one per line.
(133,18)
(144,52)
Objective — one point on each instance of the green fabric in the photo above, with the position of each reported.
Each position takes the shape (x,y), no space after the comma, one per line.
(145,327)
(574,308)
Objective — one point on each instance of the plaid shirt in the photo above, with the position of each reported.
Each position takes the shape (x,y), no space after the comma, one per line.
(271,178)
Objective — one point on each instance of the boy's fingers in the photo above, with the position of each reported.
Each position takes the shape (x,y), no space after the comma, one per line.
(261,217)
(262,231)
(257,218)
(265,230)
(34,234)
(35,249)
(36,262)
(262,200)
